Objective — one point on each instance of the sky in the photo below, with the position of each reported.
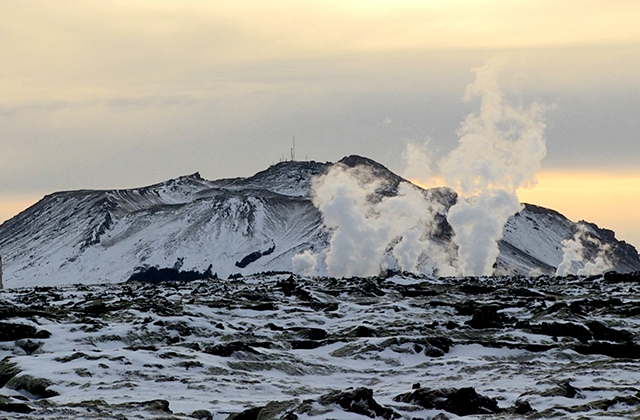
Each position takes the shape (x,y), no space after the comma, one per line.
(123,94)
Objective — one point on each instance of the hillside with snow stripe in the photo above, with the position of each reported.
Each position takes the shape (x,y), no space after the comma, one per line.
(105,236)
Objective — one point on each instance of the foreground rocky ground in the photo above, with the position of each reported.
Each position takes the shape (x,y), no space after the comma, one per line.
(277,346)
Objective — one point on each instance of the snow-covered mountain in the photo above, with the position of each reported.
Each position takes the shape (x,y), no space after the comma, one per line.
(240,225)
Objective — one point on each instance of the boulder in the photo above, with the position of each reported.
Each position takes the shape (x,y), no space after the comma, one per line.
(202,415)
(8,369)
(462,402)
(309,333)
(29,346)
(487,317)
(359,401)
(626,350)
(564,389)
(562,329)
(523,407)
(8,406)
(602,332)
(226,350)
(12,332)
(362,331)
(37,387)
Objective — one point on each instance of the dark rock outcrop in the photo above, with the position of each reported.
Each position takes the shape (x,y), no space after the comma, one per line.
(602,332)
(462,402)
(626,350)
(156,275)
(12,332)
(9,406)
(228,349)
(359,401)
(487,317)
(562,329)
(37,387)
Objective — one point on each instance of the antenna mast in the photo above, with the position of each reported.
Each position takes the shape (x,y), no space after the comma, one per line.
(293,150)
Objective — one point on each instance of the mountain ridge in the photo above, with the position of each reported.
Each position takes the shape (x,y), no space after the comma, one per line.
(94,236)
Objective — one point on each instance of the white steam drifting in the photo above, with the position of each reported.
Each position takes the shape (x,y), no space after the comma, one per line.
(304,263)
(418,163)
(370,230)
(478,222)
(573,255)
(500,149)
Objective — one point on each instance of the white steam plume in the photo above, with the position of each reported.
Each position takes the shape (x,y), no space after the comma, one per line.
(418,162)
(366,226)
(500,149)
(573,258)
(305,263)
(478,223)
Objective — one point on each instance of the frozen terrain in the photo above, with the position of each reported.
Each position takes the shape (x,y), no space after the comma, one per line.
(105,236)
(285,347)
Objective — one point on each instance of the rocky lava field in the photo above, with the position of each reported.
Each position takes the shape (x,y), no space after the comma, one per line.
(280,346)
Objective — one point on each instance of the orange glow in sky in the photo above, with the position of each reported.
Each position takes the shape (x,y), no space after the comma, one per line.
(610,200)
(13,204)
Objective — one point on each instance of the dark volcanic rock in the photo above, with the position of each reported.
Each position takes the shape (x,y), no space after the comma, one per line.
(416,290)
(523,407)
(266,306)
(306,344)
(588,306)
(615,277)
(602,332)
(362,331)
(226,350)
(8,369)
(156,275)
(437,346)
(254,256)
(202,415)
(367,339)
(309,333)
(273,410)
(154,406)
(476,288)
(466,308)
(287,286)
(431,351)
(466,401)
(37,387)
(359,401)
(487,317)
(248,414)
(95,309)
(12,332)
(29,346)
(8,406)
(562,329)
(564,389)
(626,350)
(462,402)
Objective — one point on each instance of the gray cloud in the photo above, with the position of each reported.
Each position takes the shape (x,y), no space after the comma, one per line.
(206,119)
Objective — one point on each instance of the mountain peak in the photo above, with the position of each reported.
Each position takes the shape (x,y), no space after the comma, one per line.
(355,160)
(378,170)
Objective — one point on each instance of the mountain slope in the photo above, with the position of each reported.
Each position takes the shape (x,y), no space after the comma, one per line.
(533,239)
(264,220)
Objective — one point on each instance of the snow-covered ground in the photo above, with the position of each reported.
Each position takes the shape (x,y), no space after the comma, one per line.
(304,348)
